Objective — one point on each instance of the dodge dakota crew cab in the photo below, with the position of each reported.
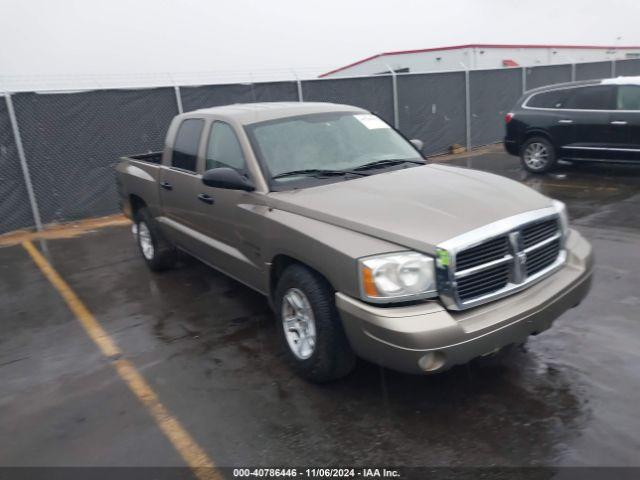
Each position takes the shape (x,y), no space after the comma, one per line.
(361,247)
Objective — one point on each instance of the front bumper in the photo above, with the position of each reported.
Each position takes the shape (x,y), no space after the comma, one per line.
(427,338)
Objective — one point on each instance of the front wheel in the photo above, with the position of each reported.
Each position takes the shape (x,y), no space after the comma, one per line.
(538,155)
(309,326)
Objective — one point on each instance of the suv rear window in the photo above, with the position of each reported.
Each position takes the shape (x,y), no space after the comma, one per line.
(628,97)
(552,99)
(600,97)
(185,147)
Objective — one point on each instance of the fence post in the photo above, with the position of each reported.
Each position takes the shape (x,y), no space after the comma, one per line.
(394,89)
(176,89)
(23,162)
(613,69)
(298,85)
(467,95)
(573,72)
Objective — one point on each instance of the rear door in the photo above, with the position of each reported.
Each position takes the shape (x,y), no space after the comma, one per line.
(625,124)
(588,110)
(179,183)
(544,112)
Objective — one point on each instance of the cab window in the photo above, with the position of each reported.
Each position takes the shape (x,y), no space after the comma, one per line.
(600,97)
(185,147)
(223,148)
(628,97)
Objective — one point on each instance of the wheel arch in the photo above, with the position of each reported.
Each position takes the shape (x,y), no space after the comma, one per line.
(135,204)
(279,263)
(537,132)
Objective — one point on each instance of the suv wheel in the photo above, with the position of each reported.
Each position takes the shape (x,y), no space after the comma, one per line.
(155,249)
(538,155)
(309,326)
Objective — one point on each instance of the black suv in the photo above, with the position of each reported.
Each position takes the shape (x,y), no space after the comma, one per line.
(592,121)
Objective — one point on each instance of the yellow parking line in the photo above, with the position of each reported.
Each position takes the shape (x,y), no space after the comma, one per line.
(62,230)
(201,465)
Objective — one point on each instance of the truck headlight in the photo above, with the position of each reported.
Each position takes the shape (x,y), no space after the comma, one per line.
(561,208)
(399,276)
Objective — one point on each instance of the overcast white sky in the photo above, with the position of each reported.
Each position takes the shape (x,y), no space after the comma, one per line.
(72,37)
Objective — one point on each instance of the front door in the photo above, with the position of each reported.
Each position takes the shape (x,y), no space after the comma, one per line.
(230,218)
(625,124)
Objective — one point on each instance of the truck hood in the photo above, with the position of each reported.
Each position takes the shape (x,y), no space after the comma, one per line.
(416,207)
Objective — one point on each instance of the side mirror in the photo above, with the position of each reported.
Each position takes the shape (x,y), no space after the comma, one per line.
(419,144)
(228,178)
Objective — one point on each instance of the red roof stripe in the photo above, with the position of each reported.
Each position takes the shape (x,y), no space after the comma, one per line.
(457,47)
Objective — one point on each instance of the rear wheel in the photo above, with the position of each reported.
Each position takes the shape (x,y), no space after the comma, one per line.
(155,249)
(309,326)
(538,155)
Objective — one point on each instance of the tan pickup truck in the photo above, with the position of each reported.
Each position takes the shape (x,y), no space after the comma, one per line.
(361,247)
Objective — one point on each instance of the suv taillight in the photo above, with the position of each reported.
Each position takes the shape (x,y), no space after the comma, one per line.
(508,117)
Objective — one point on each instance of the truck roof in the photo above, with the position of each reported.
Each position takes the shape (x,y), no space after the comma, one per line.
(247,113)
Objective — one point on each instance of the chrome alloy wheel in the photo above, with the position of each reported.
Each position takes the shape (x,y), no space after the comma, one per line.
(536,155)
(144,237)
(298,323)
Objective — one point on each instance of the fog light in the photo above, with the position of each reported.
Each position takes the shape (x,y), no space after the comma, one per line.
(431,361)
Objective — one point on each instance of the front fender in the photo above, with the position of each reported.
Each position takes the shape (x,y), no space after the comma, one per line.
(330,250)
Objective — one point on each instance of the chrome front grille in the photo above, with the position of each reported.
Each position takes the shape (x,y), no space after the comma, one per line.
(484,253)
(540,258)
(511,256)
(538,232)
(483,282)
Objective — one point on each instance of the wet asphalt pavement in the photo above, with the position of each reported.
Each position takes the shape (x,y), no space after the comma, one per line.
(207,346)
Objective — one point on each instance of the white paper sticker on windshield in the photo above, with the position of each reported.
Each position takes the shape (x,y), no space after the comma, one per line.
(371,121)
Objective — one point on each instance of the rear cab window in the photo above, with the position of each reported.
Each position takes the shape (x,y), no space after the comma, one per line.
(185,146)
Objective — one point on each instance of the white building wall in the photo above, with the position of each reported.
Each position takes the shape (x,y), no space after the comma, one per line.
(481,58)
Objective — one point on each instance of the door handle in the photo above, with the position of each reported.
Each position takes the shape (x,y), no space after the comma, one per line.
(565,121)
(203,197)
(166,185)
(618,122)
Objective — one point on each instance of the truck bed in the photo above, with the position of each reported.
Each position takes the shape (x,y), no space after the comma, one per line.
(151,157)
(137,178)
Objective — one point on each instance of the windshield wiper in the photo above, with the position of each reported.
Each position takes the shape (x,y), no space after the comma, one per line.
(317,172)
(387,163)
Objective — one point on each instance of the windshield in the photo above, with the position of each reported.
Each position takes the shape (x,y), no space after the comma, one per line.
(327,142)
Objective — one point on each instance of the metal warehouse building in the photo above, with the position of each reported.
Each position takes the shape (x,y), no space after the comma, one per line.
(481,57)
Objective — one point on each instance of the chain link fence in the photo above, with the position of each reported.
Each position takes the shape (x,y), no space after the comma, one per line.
(492,94)
(72,140)
(371,93)
(204,96)
(432,107)
(15,209)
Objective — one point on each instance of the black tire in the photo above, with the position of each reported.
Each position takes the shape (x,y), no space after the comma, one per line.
(538,166)
(332,357)
(163,255)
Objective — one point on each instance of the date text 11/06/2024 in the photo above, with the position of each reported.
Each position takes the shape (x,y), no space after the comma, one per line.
(315,473)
